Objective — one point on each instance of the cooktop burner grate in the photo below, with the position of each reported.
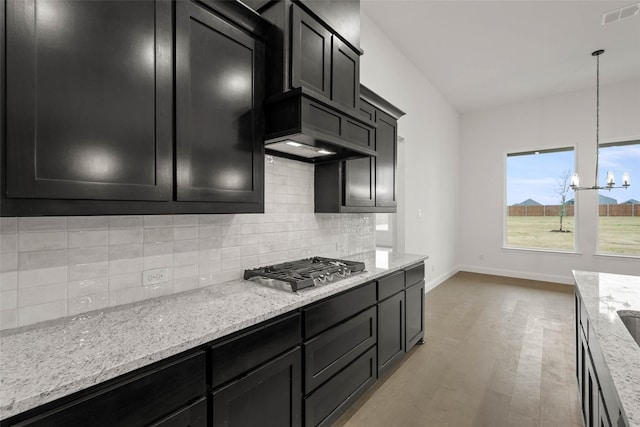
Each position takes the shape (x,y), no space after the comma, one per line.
(306,272)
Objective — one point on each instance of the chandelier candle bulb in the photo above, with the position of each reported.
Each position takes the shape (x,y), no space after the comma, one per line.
(611,180)
(625,179)
(575,181)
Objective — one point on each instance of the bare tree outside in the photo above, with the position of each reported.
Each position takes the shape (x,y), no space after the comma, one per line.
(562,190)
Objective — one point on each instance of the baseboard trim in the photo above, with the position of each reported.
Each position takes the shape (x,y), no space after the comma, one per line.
(436,281)
(564,280)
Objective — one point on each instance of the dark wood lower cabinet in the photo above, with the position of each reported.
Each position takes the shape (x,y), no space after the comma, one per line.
(414,315)
(268,396)
(391,331)
(194,415)
(329,401)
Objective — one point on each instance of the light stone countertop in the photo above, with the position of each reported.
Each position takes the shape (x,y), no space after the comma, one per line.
(604,295)
(44,362)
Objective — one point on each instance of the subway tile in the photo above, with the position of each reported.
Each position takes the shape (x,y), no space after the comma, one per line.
(8,242)
(229,241)
(248,250)
(41,241)
(42,223)
(227,253)
(117,222)
(185,258)
(209,231)
(208,244)
(126,236)
(185,246)
(8,300)
(41,277)
(87,303)
(85,287)
(185,233)
(154,221)
(42,294)
(185,220)
(158,235)
(125,296)
(42,259)
(77,223)
(251,261)
(118,252)
(158,248)
(8,261)
(125,266)
(88,271)
(8,319)
(185,284)
(8,225)
(158,261)
(250,229)
(87,238)
(158,290)
(40,313)
(180,272)
(125,280)
(8,280)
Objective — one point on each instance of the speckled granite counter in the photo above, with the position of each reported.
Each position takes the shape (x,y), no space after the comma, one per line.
(41,363)
(603,296)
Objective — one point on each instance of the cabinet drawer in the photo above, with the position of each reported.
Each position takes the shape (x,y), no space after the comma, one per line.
(414,274)
(334,397)
(390,285)
(194,415)
(325,314)
(139,400)
(269,396)
(328,353)
(243,353)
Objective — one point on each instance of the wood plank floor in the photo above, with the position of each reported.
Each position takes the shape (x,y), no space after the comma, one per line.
(498,352)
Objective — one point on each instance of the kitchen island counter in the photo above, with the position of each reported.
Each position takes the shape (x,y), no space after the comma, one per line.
(603,295)
(47,361)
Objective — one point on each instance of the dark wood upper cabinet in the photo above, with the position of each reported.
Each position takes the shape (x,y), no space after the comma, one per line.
(345,87)
(310,53)
(219,149)
(89,99)
(133,107)
(368,184)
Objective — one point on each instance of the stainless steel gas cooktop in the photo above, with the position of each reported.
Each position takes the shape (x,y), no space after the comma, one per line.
(304,273)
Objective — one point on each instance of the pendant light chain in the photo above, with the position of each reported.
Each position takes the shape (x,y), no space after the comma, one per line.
(597,117)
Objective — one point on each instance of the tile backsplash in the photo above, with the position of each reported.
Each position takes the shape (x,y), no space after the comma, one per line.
(52,267)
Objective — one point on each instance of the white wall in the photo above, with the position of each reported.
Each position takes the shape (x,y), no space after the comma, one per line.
(430,131)
(563,120)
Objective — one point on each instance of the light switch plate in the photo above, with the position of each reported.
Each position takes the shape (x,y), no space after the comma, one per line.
(152,277)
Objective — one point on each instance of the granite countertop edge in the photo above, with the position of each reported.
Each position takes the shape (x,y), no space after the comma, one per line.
(603,296)
(50,360)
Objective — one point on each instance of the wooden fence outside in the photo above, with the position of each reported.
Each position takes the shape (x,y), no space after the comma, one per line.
(554,210)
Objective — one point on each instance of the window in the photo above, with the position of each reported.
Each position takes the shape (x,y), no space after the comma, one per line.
(619,209)
(540,202)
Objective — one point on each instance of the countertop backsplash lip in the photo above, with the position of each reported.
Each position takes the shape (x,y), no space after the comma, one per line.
(603,295)
(43,362)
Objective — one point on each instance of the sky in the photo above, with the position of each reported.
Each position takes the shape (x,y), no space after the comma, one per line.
(537,177)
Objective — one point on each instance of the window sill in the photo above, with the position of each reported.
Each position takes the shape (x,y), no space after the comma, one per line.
(612,255)
(543,250)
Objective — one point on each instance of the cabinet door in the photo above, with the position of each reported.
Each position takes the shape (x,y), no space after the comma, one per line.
(390,331)
(359,175)
(219,92)
(89,100)
(414,307)
(310,53)
(386,148)
(269,396)
(345,75)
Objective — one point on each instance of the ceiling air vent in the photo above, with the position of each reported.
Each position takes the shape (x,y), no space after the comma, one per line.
(618,14)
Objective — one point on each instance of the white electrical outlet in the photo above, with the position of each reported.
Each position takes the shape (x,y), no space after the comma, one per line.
(152,277)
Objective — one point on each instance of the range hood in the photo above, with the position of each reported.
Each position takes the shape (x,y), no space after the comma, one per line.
(304,126)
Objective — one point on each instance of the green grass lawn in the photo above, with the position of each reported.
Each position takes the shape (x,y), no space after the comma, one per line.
(619,234)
